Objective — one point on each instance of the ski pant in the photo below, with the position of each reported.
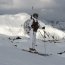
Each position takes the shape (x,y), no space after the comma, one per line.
(33,38)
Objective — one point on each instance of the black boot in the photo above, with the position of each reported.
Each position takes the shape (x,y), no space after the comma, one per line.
(31,49)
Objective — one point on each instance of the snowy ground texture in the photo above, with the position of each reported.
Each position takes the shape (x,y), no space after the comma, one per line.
(12,55)
(11,48)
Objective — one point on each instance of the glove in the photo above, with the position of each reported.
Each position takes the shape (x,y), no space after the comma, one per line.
(43,27)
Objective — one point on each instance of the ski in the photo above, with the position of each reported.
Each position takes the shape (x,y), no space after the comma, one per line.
(36,52)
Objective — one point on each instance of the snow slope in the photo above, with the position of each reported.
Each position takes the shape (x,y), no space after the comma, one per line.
(11,55)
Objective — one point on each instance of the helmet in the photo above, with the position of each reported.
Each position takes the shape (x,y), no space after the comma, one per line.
(35,15)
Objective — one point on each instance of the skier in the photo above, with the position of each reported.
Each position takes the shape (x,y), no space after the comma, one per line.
(34,26)
(31,26)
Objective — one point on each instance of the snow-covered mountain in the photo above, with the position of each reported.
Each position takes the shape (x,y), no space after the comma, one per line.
(12,25)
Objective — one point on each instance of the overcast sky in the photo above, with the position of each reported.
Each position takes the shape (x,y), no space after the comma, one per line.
(27,4)
(47,6)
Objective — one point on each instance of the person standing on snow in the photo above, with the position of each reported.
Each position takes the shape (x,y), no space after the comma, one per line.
(34,26)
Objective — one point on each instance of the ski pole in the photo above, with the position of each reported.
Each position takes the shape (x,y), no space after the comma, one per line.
(44,40)
(41,34)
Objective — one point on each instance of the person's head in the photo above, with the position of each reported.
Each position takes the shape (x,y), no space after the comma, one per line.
(35,15)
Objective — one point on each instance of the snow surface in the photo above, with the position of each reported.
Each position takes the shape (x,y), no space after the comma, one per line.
(13,55)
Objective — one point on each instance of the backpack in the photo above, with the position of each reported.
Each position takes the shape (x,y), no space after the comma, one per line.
(35,25)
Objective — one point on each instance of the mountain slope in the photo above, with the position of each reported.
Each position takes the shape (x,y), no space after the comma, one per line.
(12,25)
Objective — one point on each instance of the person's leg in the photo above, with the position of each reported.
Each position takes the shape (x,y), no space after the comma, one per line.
(31,38)
(34,40)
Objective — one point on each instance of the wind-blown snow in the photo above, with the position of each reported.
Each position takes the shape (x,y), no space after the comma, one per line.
(12,25)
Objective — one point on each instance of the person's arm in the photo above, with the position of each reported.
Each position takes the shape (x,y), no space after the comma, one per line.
(30,23)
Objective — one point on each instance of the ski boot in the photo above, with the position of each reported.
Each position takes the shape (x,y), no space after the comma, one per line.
(32,50)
